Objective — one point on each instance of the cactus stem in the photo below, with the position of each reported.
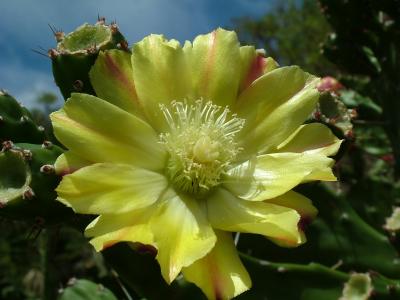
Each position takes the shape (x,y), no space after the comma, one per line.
(76,53)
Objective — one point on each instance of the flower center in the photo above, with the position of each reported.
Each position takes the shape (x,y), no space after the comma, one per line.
(201,144)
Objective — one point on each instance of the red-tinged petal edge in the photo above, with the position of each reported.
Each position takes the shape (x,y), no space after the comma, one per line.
(119,74)
(255,71)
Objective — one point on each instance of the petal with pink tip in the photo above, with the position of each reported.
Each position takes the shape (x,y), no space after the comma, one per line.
(220,274)
(112,79)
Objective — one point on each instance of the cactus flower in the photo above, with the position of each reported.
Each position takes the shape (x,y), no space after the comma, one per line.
(184,145)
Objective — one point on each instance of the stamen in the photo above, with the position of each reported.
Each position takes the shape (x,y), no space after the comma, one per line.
(200,142)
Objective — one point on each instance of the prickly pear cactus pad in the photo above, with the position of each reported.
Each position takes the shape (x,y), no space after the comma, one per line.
(184,145)
(27,182)
(77,51)
(18,178)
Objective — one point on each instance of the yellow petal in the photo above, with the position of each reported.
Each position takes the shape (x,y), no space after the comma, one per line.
(107,230)
(69,162)
(229,213)
(303,206)
(182,233)
(254,65)
(110,188)
(98,131)
(296,201)
(161,75)
(270,64)
(112,79)
(272,175)
(220,274)
(274,106)
(312,138)
(216,66)
(247,56)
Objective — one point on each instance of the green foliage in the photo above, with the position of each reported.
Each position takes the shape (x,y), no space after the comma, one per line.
(366,43)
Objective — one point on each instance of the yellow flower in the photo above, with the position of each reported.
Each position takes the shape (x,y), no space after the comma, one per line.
(187,144)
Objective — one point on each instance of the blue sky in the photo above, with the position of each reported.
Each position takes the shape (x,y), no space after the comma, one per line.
(23,26)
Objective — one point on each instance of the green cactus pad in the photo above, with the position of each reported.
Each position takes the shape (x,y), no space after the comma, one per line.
(27,183)
(15,176)
(16,122)
(82,289)
(76,53)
